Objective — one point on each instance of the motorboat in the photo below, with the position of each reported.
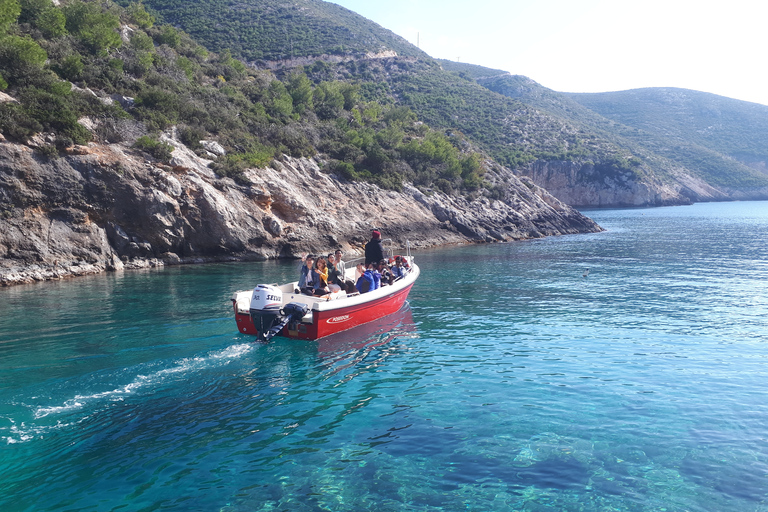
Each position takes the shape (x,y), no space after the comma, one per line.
(271,309)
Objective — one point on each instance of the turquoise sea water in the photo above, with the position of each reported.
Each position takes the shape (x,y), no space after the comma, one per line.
(511,382)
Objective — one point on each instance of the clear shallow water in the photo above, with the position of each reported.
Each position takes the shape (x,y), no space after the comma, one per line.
(511,383)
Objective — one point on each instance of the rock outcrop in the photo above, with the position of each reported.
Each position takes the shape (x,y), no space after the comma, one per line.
(581,185)
(105,207)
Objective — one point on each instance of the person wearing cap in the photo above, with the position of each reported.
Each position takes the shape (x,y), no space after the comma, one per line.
(374,251)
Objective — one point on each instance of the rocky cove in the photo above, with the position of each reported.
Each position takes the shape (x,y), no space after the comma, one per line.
(109,207)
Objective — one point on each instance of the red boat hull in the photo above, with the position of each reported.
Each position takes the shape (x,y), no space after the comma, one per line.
(331,321)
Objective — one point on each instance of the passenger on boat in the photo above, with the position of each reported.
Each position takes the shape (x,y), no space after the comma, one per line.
(335,283)
(398,270)
(367,281)
(386,273)
(334,276)
(305,284)
(374,268)
(374,250)
(320,277)
(346,284)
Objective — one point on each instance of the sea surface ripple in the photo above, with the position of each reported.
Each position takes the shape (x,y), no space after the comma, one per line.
(623,370)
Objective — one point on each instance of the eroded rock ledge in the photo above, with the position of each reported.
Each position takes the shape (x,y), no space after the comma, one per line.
(105,207)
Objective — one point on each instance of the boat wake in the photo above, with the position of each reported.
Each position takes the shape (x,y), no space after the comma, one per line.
(143,382)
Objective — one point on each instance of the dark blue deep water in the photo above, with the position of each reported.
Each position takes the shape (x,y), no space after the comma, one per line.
(511,382)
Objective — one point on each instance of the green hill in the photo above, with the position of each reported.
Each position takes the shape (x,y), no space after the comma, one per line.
(737,129)
(721,140)
(87,63)
(531,124)
(324,80)
(278,29)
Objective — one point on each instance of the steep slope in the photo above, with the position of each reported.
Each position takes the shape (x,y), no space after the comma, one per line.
(588,161)
(516,134)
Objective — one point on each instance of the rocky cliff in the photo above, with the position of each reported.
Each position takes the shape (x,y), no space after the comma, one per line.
(107,207)
(583,185)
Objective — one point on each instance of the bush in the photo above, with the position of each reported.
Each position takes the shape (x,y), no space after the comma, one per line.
(9,12)
(141,41)
(191,136)
(95,28)
(168,35)
(52,23)
(159,150)
(345,169)
(70,68)
(139,15)
(16,123)
(20,57)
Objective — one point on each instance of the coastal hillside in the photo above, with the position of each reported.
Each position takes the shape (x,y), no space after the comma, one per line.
(105,207)
(583,158)
(736,129)
(705,146)
(125,143)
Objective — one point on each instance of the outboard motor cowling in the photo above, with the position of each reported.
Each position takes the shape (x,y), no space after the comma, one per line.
(266,302)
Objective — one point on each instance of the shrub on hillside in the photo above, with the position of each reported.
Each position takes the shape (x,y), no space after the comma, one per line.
(158,149)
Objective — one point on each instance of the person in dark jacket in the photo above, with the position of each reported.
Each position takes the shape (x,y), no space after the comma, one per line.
(306,285)
(374,250)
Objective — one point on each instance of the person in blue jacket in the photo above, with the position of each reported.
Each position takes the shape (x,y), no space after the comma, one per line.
(365,282)
(369,279)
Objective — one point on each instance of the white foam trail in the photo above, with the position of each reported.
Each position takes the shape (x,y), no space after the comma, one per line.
(183,366)
(22,433)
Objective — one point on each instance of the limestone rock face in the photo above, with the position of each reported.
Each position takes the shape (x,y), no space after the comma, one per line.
(108,208)
(582,185)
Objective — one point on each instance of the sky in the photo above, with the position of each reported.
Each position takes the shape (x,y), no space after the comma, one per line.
(594,45)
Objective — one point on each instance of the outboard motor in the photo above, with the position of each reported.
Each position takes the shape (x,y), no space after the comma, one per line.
(268,314)
(292,312)
(266,302)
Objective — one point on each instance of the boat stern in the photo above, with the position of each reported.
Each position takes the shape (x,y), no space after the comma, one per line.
(241,302)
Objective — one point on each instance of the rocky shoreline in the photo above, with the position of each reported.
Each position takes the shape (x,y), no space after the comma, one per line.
(107,207)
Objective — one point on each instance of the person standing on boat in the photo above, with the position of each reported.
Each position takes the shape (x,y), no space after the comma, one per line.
(374,250)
